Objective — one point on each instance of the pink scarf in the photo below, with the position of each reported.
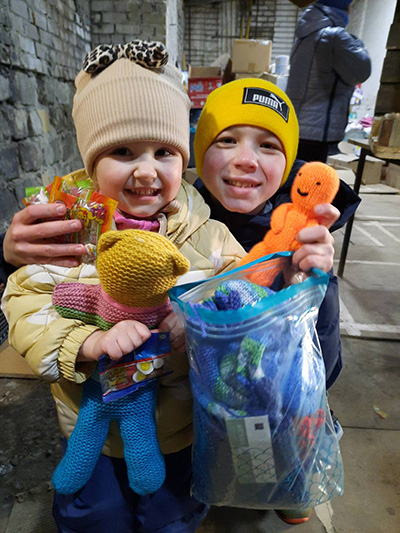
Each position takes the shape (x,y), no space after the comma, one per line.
(157,224)
(123,222)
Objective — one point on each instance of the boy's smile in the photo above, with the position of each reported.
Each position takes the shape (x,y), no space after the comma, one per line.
(243,168)
(142,176)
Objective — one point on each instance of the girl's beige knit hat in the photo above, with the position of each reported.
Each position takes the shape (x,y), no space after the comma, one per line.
(126,102)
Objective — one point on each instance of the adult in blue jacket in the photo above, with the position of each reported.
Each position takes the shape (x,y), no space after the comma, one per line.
(326,64)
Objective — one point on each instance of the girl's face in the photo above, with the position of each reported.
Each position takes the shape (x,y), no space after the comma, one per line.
(244,167)
(142,176)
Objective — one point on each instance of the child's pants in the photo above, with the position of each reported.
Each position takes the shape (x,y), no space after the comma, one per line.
(107,503)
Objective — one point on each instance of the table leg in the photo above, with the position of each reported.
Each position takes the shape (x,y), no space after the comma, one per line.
(349,225)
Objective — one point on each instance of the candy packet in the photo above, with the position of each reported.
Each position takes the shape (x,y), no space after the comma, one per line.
(36,195)
(94,210)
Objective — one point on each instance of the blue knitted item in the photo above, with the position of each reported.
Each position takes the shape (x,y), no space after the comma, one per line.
(269,371)
(135,416)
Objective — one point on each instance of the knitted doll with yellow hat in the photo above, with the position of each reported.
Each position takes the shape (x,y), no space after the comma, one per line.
(136,269)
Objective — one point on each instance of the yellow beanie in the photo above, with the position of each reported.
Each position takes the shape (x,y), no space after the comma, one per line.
(251,102)
(126,102)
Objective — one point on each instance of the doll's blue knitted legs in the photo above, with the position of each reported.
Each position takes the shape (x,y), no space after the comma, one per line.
(144,460)
(135,414)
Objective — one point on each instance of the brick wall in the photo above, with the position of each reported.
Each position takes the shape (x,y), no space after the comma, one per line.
(42,44)
(120,21)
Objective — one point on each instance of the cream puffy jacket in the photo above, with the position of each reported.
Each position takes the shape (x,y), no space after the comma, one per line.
(51,343)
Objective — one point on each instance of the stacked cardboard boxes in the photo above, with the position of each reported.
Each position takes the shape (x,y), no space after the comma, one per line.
(372,169)
(202,81)
(388,99)
(385,136)
(393,175)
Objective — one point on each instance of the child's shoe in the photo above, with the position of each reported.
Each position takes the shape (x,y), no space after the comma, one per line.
(294,517)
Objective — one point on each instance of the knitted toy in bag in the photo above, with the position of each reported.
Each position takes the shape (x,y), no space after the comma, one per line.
(315,183)
(136,269)
(243,371)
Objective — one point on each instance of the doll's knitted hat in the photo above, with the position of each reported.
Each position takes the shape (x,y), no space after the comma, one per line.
(128,93)
(137,268)
(251,102)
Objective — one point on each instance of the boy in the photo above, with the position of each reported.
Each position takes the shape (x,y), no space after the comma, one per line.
(245,149)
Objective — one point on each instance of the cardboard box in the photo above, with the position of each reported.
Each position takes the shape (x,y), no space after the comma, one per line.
(385,136)
(205,72)
(280,81)
(13,365)
(393,175)
(372,168)
(251,55)
(200,88)
(391,68)
(393,41)
(343,161)
(258,75)
(388,98)
(225,62)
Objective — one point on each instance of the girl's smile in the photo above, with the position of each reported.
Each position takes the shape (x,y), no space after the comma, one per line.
(142,176)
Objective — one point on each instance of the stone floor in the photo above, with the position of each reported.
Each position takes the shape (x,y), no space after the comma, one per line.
(366,397)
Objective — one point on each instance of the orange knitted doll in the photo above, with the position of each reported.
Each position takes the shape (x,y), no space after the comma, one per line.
(315,183)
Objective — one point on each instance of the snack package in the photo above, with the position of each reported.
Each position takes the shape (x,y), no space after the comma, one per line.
(94,210)
(135,369)
(36,195)
(263,433)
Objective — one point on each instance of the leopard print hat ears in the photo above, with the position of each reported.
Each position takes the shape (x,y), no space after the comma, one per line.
(118,101)
(147,54)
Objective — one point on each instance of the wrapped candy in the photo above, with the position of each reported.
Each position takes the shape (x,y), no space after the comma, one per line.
(94,210)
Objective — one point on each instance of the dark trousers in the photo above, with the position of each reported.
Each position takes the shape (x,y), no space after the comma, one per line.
(107,503)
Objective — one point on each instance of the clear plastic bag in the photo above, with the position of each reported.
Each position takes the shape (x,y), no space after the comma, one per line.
(263,433)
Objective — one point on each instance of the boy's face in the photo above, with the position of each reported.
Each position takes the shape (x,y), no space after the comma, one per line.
(244,167)
(142,176)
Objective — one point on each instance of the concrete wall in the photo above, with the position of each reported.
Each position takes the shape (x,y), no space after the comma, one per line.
(174,30)
(42,45)
(211,26)
(370,20)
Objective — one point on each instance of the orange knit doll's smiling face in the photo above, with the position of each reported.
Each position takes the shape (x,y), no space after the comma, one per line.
(315,183)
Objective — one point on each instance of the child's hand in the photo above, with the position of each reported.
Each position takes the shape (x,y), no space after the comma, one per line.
(176,332)
(327,214)
(25,241)
(121,339)
(317,248)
